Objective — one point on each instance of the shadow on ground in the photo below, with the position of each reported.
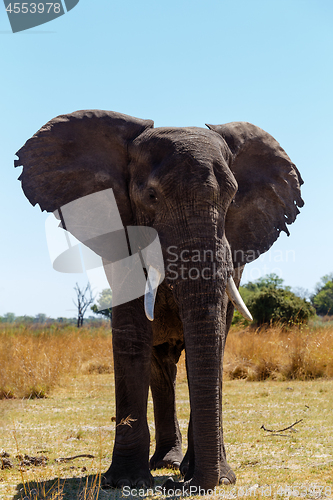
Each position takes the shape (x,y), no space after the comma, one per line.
(84,488)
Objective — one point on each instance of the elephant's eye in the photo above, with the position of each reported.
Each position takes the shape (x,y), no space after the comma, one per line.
(152,195)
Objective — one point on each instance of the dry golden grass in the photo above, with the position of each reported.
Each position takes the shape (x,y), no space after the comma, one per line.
(77,417)
(300,353)
(33,360)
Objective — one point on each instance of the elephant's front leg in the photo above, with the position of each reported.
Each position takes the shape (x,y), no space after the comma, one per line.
(168,452)
(227,475)
(132,346)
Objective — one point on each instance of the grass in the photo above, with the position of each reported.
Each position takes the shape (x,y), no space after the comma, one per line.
(58,402)
(33,360)
(77,420)
(300,353)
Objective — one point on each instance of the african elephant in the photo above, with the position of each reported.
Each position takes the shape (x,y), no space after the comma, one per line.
(228,190)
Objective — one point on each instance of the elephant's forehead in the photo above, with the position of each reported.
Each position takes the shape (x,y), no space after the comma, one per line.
(162,142)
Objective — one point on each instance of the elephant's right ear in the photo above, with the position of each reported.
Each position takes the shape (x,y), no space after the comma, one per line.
(79,154)
(268,193)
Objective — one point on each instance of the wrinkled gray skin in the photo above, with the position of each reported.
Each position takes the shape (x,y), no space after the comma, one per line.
(231,190)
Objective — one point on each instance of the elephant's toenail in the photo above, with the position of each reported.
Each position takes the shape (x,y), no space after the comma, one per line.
(224,480)
(123,482)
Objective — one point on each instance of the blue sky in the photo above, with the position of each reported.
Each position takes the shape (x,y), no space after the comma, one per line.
(179,63)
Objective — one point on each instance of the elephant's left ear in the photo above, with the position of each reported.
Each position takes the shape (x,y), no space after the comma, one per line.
(78,154)
(268,193)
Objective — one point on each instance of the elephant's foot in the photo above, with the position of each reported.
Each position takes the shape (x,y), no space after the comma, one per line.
(227,475)
(169,458)
(119,477)
(197,487)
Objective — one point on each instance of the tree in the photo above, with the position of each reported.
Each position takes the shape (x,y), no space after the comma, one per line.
(270,302)
(268,281)
(104,301)
(9,317)
(40,318)
(272,305)
(26,320)
(323,298)
(84,298)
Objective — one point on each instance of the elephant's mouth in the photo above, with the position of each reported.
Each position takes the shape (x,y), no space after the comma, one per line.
(153,281)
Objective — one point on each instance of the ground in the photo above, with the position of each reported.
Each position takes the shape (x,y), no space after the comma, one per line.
(77,419)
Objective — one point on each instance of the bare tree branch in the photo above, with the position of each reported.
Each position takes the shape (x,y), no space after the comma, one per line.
(84,298)
(67,459)
(281,430)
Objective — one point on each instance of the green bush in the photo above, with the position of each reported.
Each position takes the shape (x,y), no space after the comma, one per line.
(270,302)
(275,305)
(104,301)
(323,299)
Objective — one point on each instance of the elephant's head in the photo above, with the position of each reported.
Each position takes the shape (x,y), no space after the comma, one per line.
(218,198)
(231,182)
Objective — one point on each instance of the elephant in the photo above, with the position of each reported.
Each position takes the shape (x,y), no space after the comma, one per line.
(228,191)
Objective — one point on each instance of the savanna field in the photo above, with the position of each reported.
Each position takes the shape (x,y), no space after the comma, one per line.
(57,407)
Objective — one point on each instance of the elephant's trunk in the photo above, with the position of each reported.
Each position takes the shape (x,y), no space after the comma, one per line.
(197,273)
(154,278)
(200,291)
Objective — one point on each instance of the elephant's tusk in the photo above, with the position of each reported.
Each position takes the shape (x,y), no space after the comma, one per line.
(237,300)
(152,283)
